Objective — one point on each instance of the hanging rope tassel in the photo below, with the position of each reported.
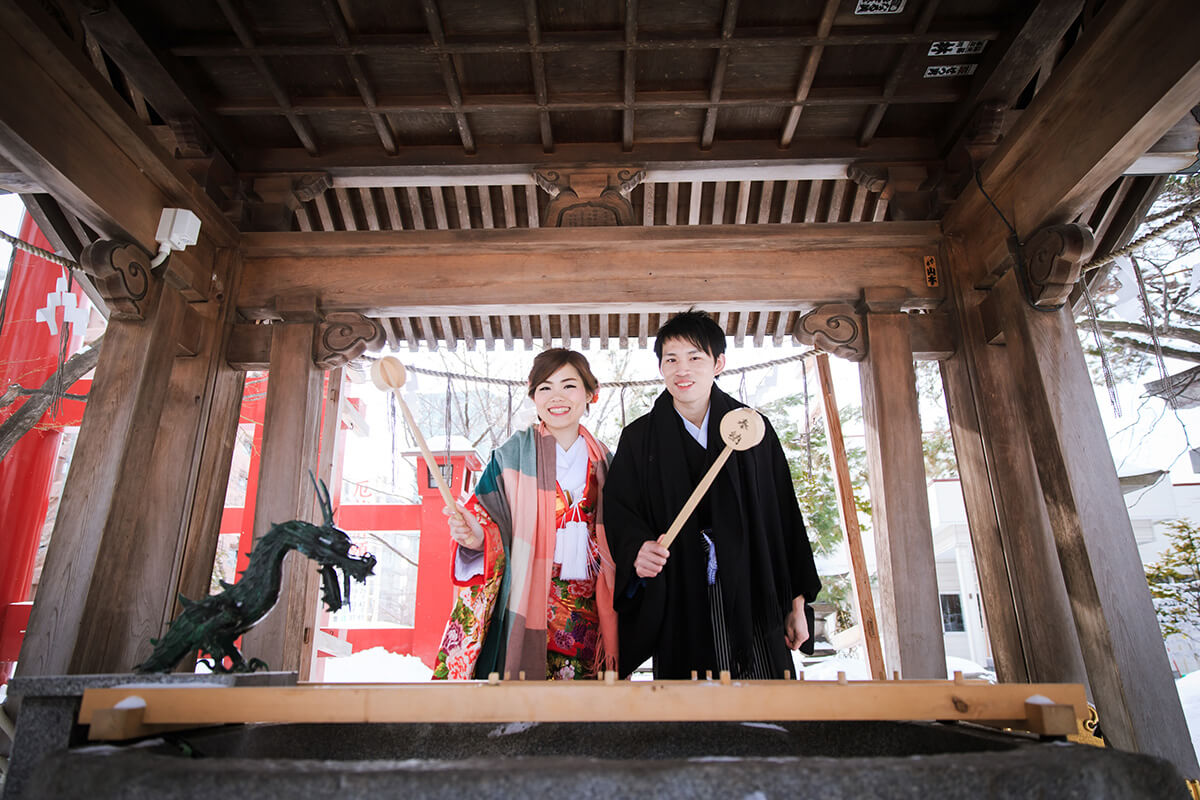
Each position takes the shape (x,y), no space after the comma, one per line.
(391,423)
(449,395)
(1109,382)
(807,421)
(508,420)
(1146,311)
(64,343)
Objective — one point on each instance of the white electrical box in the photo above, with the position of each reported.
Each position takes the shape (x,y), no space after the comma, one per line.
(177,228)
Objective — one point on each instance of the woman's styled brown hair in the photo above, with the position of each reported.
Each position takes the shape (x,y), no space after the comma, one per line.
(548,362)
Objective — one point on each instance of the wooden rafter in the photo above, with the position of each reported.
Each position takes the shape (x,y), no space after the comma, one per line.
(433,21)
(538,63)
(1036,185)
(369,210)
(299,125)
(413,45)
(590,101)
(75,138)
(341,34)
(393,208)
(902,66)
(630,74)
(446,162)
(1011,62)
(728,23)
(414,208)
(810,72)
(789,202)
(124,44)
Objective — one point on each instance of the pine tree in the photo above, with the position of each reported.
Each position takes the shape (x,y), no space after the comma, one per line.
(1175,581)
(812,475)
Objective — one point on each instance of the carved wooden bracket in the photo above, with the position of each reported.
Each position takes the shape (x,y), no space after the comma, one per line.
(907,187)
(1052,260)
(337,340)
(588,199)
(121,273)
(344,336)
(276,198)
(982,135)
(835,328)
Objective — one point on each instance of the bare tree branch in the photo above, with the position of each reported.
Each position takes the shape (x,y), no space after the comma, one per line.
(1164,332)
(25,417)
(1169,352)
(1189,316)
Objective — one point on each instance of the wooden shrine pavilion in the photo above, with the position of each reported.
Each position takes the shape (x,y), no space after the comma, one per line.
(888,180)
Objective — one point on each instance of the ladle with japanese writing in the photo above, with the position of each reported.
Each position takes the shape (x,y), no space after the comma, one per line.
(388,375)
(741,429)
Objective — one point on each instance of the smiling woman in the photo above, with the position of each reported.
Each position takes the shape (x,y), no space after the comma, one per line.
(562,387)
(532,569)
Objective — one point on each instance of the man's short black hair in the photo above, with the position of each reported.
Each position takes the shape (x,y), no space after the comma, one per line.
(695,327)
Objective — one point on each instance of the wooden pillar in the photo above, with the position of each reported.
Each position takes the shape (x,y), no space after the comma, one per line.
(1127,664)
(105,490)
(290,435)
(912,621)
(213,457)
(330,448)
(1029,617)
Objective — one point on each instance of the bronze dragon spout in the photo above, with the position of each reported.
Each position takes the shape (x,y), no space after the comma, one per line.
(212,624)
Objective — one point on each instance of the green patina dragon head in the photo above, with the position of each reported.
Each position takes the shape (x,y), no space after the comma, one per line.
(213,624)
(330,547)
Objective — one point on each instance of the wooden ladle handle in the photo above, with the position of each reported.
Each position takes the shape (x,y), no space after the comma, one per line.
(388,374)
(741,429)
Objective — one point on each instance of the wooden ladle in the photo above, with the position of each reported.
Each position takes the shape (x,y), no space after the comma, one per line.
(388,375)
(741,429)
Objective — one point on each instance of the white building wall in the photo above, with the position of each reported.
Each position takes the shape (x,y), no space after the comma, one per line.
(1150,509)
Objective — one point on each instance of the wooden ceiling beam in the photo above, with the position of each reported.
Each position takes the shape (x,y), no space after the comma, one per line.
(299,125)
(499,271)
(122,41)
(506,159)
(589,101)
(585,41)
(1123,216)
(12,179)
(1107,102)
(1010,63)
(629,74)
(341,34)
(74,137)
(537,62)
(433,22)
(824,26)
(728,24)
(902,66)
(66,237)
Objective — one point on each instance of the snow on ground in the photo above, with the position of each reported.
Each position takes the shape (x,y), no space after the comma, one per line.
(856,668)
(1189,698)
(376,665)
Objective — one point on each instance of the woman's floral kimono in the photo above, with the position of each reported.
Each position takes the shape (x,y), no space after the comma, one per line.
(519,615)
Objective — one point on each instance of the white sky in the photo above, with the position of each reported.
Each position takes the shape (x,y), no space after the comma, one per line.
(11,209)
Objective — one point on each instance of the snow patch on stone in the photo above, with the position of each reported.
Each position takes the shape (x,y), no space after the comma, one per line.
(511,728)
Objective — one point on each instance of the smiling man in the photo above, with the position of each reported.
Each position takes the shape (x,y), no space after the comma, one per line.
(733,591)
